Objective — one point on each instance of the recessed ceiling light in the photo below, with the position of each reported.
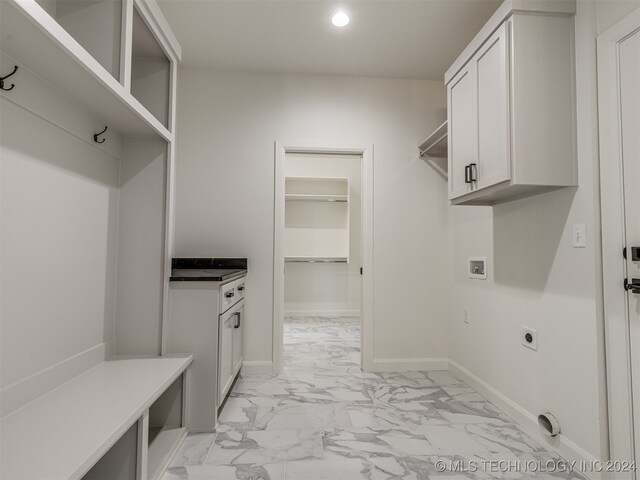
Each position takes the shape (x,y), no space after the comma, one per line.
(340,19)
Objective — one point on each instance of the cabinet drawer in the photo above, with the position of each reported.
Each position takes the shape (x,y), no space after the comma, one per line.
(240,289)
(227,296)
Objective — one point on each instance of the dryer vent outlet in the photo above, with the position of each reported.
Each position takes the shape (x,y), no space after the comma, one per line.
(549,424)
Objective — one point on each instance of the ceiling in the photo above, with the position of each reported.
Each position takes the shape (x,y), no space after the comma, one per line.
(386,38)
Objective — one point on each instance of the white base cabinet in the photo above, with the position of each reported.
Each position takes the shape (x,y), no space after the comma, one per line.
(511,106)
(207,319)
(230,353)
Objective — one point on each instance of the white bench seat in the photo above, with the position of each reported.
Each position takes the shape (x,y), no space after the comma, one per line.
(62,434)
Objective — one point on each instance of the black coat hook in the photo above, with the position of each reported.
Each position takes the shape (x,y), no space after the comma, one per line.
(95,136)
(2,79)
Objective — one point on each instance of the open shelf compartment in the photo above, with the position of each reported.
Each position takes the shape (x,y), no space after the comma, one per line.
(150,70)
(316,219)
(95,24)
(166,430)
(42,45)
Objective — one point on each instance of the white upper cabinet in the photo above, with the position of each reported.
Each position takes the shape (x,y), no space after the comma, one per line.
(511,108)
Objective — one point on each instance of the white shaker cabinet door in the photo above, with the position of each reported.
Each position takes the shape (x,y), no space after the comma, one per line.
(463,130)
(225,352)
(492,72)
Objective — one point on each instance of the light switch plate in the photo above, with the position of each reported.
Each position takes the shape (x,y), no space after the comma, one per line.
(579,235)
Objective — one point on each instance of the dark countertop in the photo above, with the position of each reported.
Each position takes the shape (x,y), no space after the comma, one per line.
(207,269)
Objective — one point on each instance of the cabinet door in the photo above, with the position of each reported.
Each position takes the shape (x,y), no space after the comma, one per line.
(225,352)
(492,74)
(462,129)
(238,327)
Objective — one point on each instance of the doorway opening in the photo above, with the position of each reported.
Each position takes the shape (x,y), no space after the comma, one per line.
(322,248)
(322,259)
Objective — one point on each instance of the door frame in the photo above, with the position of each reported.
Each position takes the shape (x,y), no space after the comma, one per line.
(617,328)
(366,300)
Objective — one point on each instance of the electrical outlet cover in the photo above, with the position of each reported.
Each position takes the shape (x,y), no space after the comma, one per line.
(529,338)
(579,235)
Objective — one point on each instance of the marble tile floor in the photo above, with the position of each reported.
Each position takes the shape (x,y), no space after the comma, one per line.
(325,419)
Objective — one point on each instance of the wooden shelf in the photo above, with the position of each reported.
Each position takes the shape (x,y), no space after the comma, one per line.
(434,150)
(30,35)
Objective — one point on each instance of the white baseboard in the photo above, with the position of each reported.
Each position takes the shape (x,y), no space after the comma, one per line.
(325,312)
(408,364)
(527,420)
(18,394)
(257,367)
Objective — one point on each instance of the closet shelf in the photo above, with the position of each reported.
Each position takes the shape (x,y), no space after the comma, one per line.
(434,150)
(316,259)
(28,33)
(305,197)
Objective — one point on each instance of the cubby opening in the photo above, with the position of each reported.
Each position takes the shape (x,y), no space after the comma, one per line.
(95,24)
(166,429)
(150,71)
(120,461)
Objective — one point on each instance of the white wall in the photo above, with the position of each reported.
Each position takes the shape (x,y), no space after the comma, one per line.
(327,288)
(59,202)
(537,279)
(227,125)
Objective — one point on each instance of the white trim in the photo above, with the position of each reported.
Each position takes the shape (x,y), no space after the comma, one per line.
(18,394)
(161,28)
(367,294)
(325,312)
(142,450)
(617,332)
(366,348)
(408,364)
(257,367)
(169,212)
(278,257)
(126,44)
(566,448)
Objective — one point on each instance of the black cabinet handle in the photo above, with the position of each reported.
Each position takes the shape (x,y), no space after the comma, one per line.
(241,288)
(237,315)
(632,286)
(473,172)
(229,294)
(467,169)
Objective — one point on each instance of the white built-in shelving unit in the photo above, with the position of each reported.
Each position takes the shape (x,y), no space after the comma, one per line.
(317,219)
(117,61)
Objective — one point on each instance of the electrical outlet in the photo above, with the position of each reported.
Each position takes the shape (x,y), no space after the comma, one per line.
(579,235)
(529,338)
(466,317)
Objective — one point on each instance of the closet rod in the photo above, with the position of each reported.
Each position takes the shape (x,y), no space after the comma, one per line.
(315,261)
